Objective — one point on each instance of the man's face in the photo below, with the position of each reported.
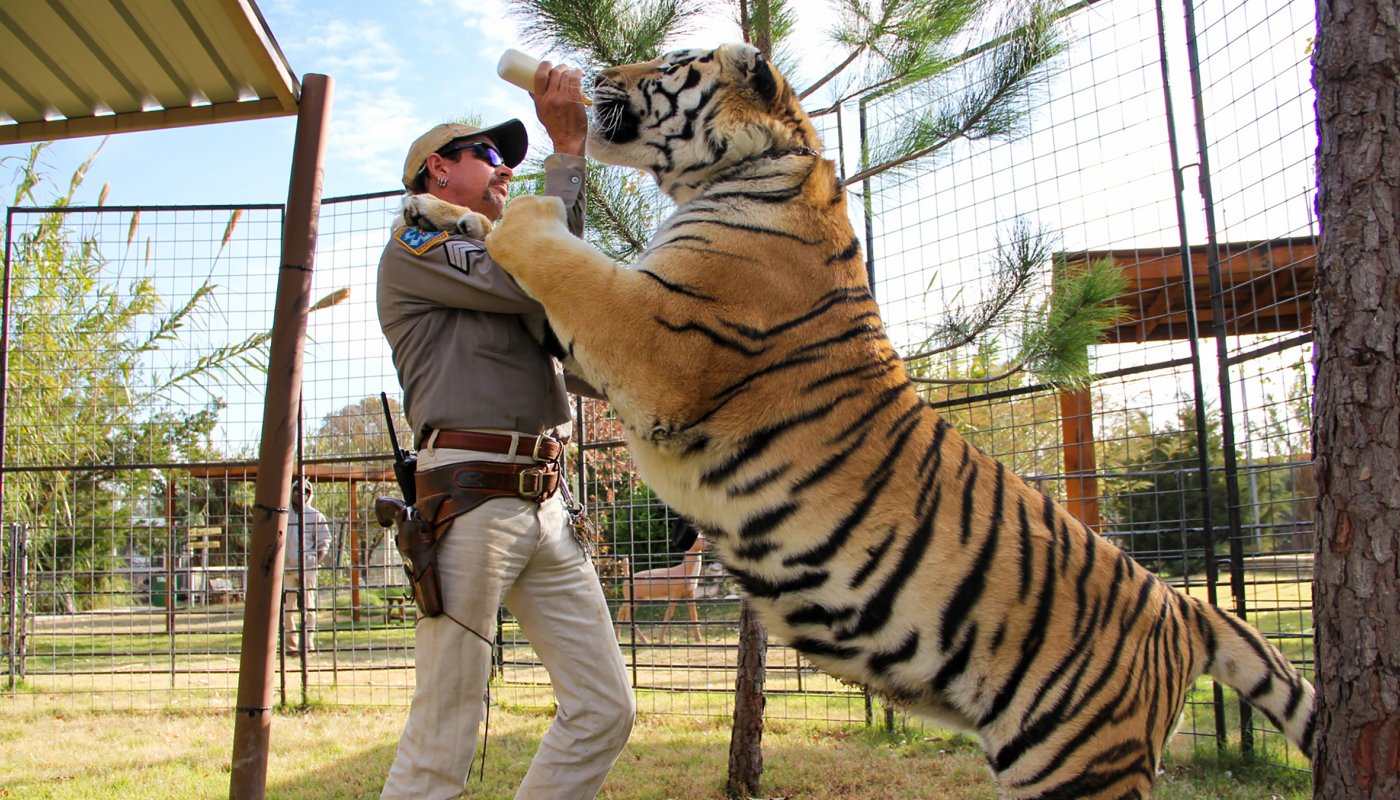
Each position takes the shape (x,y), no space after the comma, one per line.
(472,180)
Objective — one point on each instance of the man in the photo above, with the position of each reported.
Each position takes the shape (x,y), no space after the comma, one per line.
(308,542)
(488,406)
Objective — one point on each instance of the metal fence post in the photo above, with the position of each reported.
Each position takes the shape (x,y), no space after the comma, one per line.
(7,566)
(1194,337)
(1217,301)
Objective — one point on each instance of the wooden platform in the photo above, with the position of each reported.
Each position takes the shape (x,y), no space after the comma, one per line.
(1266,287)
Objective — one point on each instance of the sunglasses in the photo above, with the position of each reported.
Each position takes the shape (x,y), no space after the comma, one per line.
(482,150)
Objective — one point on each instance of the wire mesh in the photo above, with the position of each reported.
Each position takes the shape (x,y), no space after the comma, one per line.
(134,399)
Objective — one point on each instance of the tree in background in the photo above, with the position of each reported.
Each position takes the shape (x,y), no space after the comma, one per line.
(1356,437)
(99,379)
(358,429)
(1154,503)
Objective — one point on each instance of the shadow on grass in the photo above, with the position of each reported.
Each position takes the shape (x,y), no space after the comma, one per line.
(690,762)
(361,774)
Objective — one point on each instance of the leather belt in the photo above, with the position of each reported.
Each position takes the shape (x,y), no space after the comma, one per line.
(472,482)
(540,448)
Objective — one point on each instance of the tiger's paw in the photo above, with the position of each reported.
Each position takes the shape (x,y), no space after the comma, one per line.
(534,228)
(431,214)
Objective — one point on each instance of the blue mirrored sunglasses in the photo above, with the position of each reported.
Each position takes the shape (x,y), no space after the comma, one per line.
(482,150)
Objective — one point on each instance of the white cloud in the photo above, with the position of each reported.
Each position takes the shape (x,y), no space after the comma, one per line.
(356,49)
(369,134)
(488,24)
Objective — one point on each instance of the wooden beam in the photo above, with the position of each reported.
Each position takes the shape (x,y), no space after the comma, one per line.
(1077,440)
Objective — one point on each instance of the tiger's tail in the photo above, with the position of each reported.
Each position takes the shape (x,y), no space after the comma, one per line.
(1240,657)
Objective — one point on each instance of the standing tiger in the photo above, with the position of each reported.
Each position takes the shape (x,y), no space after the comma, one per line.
(761,398)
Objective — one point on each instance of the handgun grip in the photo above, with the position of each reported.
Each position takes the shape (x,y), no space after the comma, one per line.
(390,511)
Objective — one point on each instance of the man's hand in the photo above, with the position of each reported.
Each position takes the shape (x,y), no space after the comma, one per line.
(559,106)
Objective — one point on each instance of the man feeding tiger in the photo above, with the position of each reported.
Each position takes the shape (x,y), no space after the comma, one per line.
(761,398)
(489,410)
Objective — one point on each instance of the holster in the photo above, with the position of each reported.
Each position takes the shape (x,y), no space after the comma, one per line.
(416,539)
(446,493)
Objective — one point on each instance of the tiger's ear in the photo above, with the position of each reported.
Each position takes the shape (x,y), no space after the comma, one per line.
(748,65)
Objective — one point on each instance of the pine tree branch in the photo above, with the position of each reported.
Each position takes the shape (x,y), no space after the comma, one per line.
(828,77)
(1014,369)
(619,227)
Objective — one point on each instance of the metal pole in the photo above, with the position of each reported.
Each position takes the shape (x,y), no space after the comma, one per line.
(867,203)
(22,589)
(11,567)
(4,404)
(1194,337)
(272,493)
(1222,357)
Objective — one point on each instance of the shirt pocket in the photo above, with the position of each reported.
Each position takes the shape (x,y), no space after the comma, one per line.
(496,333)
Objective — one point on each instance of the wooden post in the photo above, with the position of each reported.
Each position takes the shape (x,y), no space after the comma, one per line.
(354,557)
(276,452)
(1077,439)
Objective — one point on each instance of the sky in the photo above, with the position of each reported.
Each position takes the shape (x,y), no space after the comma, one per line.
(397,69)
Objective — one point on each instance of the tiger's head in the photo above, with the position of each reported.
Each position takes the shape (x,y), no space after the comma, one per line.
(690,115)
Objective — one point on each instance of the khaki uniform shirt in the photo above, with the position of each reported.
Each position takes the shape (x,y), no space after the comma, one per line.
(453,319)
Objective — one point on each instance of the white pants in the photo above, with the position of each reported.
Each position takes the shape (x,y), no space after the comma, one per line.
(523,554)
(291,603)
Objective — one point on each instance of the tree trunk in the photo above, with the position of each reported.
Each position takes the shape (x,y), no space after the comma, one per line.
(1356,412)
(746,741)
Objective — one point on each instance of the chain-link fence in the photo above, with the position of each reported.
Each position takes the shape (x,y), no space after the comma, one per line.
(134,338)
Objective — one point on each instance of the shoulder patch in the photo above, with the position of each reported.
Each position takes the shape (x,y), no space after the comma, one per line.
(419,241)
(459,253)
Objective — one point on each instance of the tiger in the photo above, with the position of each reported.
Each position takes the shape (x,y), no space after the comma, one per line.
(762,399)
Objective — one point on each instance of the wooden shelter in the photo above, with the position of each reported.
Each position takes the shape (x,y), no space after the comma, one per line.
(1265,287)
(349,475)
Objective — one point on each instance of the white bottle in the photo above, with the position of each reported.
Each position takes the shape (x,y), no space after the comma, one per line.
(519,69)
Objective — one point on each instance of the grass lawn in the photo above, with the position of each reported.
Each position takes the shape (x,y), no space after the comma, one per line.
(59,737)
(324,754)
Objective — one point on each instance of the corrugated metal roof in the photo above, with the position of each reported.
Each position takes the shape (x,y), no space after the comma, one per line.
(87,67)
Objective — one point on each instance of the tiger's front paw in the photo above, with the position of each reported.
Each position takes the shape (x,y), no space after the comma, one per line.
(431,214)
(534,227)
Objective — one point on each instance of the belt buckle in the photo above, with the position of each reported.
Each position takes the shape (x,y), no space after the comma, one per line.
(535,476)
(535,452)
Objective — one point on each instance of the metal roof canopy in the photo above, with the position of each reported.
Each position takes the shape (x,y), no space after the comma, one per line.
(72,68)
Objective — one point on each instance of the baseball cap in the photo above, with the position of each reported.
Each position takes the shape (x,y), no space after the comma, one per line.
(509,136)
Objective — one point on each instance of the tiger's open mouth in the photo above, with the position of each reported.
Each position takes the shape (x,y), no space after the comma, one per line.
(613,120)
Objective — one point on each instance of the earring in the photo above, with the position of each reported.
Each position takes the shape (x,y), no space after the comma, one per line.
(442,180)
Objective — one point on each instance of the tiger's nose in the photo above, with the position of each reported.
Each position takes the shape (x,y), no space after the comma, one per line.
(608,77)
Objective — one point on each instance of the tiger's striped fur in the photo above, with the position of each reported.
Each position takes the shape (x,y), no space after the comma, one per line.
(762,399)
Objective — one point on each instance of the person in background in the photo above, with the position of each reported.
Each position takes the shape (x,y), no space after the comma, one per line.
(490,413)
(308,542)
